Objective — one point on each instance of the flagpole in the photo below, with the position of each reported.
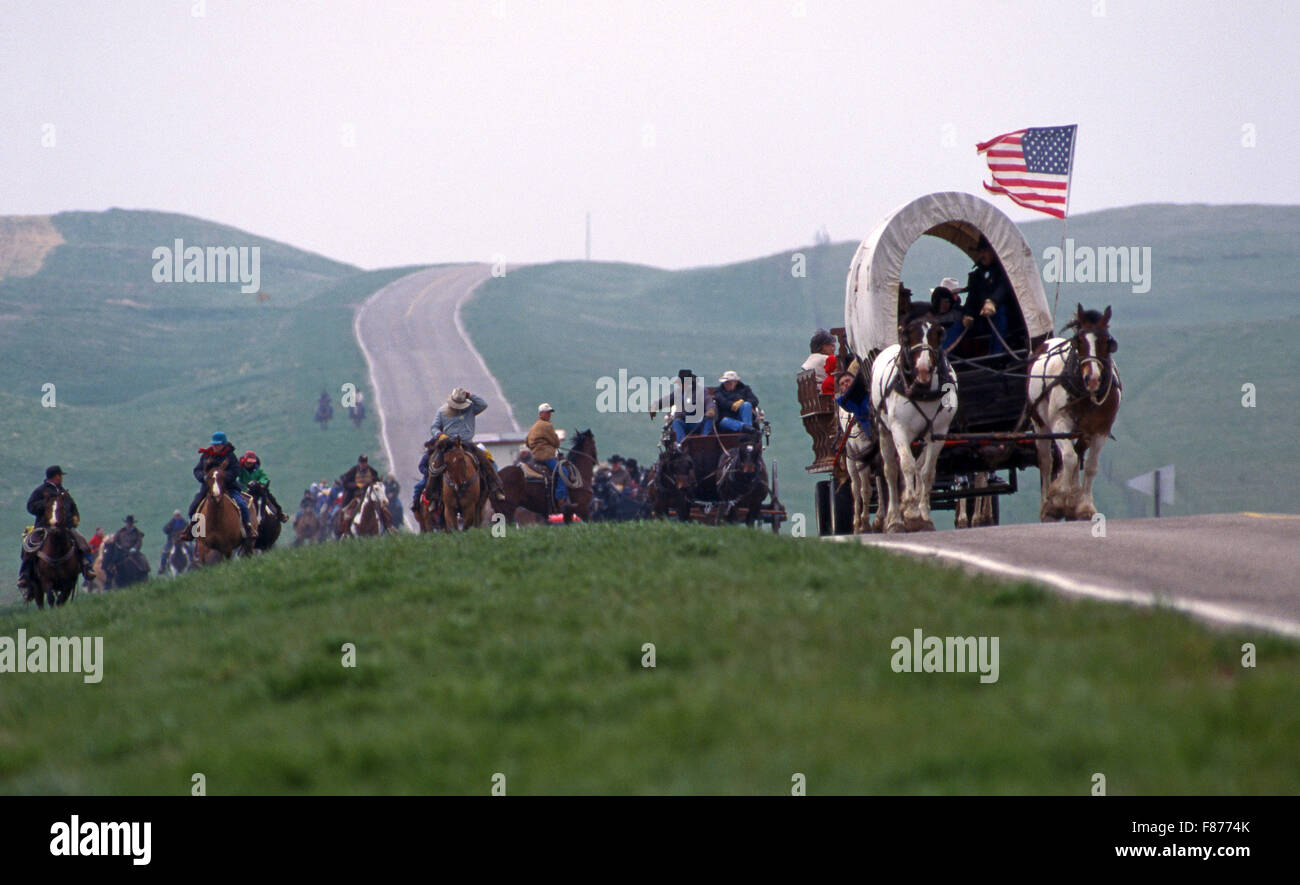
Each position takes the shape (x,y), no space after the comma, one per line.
(1065,221)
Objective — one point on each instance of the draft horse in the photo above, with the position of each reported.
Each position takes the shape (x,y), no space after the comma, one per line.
(1074,388)
(914,398)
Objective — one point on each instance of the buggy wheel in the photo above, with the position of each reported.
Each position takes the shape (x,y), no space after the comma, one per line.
(822,503)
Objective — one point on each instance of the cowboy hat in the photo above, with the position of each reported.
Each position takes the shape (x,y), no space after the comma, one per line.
(459,399)
(728,375)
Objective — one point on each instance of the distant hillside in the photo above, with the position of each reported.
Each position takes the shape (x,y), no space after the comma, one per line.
(144,372)
(1222,312)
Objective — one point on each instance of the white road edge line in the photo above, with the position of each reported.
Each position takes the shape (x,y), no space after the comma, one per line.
(1206,610)
(370,370)
(460,328)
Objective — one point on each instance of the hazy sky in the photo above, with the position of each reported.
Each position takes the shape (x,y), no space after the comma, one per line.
(385,133)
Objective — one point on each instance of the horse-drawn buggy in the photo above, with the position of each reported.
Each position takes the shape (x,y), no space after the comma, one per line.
(714,477)
(957,408)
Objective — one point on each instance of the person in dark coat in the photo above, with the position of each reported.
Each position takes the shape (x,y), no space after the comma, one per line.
(220,454)
(357,479)
(736,403)
(990,301)
(174,527)
(37,502)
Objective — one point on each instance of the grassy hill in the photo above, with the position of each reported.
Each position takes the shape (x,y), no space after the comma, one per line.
(1222,312)
(144,372)
(523,655)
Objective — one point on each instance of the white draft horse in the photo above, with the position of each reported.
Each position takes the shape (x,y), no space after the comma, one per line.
(1074,387)
(914,397)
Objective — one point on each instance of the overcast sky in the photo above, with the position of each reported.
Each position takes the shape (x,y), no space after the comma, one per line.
(385,133)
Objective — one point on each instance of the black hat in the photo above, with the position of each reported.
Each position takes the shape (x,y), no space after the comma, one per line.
(130,520)
(51,472)
(630,464)
(616,459)
(363,458)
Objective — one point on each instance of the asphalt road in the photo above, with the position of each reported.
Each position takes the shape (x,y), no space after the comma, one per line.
(1237,569)
(417,350)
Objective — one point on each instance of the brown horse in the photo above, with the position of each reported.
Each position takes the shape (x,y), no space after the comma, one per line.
(536,497)
(54,577)
(463,489)
(308,527)
(218,533)
(366,514)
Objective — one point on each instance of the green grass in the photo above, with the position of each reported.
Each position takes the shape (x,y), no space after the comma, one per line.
(522,655)
(1221,313)
(145,372)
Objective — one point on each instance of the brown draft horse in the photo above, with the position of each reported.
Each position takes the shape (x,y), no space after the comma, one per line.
(54,578)
(1074,387)
(532,496)
(463,490)
(217,530)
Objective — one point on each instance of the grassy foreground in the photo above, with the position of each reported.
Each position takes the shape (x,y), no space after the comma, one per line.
(523,655)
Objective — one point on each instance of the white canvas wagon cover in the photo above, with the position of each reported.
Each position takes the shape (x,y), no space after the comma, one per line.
(871,292)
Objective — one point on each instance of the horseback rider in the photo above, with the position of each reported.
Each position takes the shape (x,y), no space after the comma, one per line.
(171,531)
(688,398)
(455,420)
(543,442)
(736,402)
(37,502)
(254,478)
(128,538)
(394,490)
(357,479)
(220,454)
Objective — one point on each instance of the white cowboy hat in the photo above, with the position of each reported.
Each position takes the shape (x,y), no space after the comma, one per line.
(459,398)
(729,375)
(545,407)
(948,283)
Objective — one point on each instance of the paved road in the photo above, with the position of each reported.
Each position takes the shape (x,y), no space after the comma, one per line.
(1241,568)
(417,350)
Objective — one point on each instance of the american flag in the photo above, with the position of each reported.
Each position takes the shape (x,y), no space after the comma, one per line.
(1032,166)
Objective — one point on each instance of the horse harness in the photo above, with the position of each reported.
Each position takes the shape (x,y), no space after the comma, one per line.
(1070,378)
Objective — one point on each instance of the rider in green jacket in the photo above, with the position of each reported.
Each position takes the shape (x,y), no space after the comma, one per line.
(253,478)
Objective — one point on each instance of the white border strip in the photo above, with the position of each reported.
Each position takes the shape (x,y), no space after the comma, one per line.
(460,327)
(1216,613)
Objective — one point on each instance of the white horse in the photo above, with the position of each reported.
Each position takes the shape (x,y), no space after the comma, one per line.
(1074,387)
(912,400)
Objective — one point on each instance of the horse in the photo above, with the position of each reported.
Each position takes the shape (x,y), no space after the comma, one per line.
(974,512)
(674,482)
(861,457)
(58,563)
(324,412)
(539,497)
(217,531)
(181,557)
(370,516)
(742,481)
(357,413)
(914,397)
(265,520)
(123,567)
(308,527)
(1074,387)
(463,490)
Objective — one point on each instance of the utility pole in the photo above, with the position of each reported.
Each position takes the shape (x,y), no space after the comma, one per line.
(588,236)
